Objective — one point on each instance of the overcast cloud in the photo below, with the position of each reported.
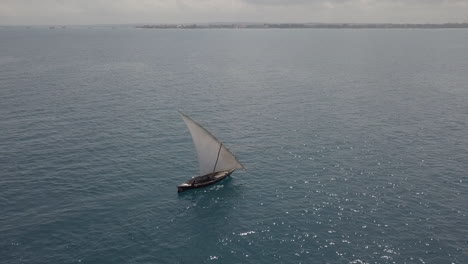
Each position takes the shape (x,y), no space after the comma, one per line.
(32,12)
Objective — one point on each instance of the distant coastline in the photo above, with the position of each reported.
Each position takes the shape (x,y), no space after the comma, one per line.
(303,25)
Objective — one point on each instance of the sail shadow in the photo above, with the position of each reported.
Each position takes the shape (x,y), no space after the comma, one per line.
(206,216)
(212,204)
(219,199)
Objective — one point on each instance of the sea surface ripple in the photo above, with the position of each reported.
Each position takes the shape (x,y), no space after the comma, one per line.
(355,144)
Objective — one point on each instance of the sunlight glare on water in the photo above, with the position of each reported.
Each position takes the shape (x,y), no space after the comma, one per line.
(354,141)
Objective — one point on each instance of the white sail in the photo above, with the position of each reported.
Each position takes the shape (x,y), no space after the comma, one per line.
(208,147)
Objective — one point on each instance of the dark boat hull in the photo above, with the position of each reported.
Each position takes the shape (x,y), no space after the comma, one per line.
(204,180)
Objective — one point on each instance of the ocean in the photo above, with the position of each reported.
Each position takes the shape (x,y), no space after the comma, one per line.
(354,141)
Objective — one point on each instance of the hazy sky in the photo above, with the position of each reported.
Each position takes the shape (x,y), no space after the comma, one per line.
(184,11)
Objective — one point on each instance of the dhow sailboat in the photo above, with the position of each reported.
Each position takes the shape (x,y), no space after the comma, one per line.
(215,160)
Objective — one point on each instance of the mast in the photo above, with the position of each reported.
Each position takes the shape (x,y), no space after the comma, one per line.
(216,163)
(212,154)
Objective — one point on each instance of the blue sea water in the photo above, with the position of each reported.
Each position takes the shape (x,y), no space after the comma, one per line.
(355,143)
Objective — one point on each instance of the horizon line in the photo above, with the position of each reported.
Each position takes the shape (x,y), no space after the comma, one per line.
(238,23)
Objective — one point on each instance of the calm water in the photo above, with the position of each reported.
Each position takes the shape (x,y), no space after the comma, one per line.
(355,143)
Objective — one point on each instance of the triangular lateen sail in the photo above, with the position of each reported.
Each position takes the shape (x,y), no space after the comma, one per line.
(208,147)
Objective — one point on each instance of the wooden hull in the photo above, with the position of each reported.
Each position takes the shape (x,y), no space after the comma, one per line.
(204,180)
